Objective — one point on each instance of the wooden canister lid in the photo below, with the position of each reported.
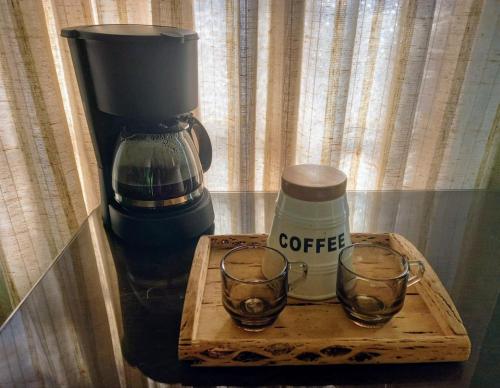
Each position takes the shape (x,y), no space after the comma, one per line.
(313,182)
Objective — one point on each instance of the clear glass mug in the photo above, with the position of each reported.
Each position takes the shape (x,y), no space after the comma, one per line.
(255,285)
(372,281)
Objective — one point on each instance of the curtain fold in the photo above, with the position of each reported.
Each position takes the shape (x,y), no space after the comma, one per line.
(41,196)
(399,94)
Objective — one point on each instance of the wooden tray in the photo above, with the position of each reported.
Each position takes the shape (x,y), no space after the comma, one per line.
(427,329)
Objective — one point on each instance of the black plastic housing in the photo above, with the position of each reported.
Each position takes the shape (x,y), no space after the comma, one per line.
(145,72)
(137,72)
(153,228)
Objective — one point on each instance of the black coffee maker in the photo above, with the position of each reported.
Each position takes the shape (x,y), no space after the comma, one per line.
(139,84)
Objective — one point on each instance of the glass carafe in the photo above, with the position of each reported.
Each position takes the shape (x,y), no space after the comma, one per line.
(157,166)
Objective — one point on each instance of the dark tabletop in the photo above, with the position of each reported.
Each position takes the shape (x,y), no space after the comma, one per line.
(107,314)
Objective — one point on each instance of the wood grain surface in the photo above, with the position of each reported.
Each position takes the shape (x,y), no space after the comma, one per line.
(427,329)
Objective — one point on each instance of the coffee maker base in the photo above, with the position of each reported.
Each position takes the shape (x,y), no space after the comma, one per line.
(168,227)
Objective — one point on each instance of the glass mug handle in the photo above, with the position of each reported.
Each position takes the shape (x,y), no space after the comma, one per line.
(303,268)
(417,276)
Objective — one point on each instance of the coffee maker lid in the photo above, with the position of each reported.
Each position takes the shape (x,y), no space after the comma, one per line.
(313,182)
(127,32)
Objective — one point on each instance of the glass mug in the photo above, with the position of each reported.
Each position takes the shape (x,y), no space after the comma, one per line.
(252,295)
(372,281)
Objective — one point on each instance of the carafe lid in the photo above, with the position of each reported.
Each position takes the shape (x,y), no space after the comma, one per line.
(313,182)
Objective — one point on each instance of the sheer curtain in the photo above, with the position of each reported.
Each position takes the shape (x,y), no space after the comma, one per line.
(398,94)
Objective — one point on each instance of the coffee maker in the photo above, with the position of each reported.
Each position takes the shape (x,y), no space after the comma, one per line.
(138,85)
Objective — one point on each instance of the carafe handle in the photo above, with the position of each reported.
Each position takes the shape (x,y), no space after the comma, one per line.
(204,143)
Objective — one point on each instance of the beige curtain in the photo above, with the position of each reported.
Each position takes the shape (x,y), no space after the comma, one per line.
(399,94)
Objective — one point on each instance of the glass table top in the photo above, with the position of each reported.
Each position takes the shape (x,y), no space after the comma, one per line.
(107,314)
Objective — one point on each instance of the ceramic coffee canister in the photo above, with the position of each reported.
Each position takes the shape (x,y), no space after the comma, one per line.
(311,224)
